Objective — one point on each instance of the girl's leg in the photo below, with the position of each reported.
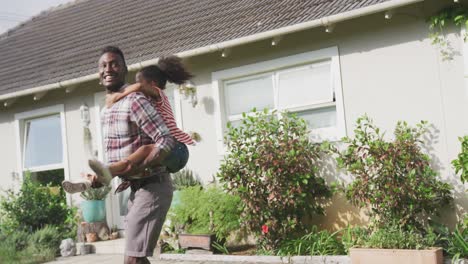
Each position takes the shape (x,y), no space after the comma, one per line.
(81,186)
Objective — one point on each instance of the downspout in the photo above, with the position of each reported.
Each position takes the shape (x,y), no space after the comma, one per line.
(333,19)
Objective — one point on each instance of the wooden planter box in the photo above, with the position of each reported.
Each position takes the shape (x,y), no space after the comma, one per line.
(196,241)
(399,256)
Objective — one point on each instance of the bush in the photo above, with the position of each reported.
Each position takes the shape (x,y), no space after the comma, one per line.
(196,205)
(396,237)
(389,236)
(183,179)
(17,240)
(271,166)
(46,238)
(22,247)
(461,163)
(455,243)
(394,177)
(313,244)
(34,207)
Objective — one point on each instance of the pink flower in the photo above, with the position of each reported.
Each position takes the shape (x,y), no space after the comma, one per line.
(264,229)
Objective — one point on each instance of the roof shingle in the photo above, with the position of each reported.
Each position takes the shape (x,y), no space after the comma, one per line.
(64,43)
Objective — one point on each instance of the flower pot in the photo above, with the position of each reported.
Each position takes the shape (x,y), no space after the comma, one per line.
(91,237)
(93,210)
(196,241)
(400,256)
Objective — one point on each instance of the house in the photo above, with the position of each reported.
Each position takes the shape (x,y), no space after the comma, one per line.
(330,61)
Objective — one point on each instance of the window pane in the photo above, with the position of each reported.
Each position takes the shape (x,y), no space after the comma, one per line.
(53,177)
(305,85)
(243,95)
(319,118)
(43,142)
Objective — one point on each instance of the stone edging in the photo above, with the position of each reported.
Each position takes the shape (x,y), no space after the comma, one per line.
(260,259)
(272,259)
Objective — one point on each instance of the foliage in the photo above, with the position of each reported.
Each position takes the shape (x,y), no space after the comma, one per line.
(23,247)
(353,236)
(397,237)
(394,177)
(34,207)
(46,238)
(203,211)
(96,193)
(455,243)
(389,236)
(222,248)
(455,14)
(313,244)
(271,166)
(184,178)
(17,240)
(461,163)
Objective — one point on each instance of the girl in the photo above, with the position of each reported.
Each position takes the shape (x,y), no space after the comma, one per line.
(151,81)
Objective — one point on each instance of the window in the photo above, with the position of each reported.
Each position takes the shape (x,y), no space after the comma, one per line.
(306,84)
(41,144)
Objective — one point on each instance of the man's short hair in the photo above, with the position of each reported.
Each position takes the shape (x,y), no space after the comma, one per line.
(115,50)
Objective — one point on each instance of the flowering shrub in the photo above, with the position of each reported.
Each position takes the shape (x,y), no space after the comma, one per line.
(271,166)
(394,177)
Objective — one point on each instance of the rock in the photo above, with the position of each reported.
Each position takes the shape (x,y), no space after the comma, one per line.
(67,248)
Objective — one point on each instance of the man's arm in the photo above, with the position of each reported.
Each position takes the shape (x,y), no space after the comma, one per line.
(150,121)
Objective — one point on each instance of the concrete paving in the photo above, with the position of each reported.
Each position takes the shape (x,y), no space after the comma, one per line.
(117,258)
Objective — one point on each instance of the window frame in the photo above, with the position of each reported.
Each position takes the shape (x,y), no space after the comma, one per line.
(20,130)
(278,65)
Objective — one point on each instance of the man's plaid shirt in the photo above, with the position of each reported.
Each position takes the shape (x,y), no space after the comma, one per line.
(130,123)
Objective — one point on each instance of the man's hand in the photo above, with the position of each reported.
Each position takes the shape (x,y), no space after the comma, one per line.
(93,179)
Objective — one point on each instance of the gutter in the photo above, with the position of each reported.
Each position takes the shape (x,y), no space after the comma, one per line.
(325,21)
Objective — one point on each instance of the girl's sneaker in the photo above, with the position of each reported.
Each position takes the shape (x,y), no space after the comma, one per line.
(103,173)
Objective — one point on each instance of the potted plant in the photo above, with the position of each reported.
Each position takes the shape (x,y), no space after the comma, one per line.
(395,181)
(93,207)
(204,215)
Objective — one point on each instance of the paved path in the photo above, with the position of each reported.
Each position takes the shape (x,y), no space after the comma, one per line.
(116,259)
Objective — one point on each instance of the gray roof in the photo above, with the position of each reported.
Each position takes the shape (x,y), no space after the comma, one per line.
(64,43)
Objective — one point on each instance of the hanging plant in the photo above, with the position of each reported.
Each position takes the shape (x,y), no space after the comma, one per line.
(453,15)
(189,91)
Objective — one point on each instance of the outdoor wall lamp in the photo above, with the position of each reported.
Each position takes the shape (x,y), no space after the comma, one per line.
(85,116)
(329,28)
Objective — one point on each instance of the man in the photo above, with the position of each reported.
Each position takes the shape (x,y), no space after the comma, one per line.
(128,124)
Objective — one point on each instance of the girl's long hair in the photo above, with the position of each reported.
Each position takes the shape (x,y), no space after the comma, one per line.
(169,69)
